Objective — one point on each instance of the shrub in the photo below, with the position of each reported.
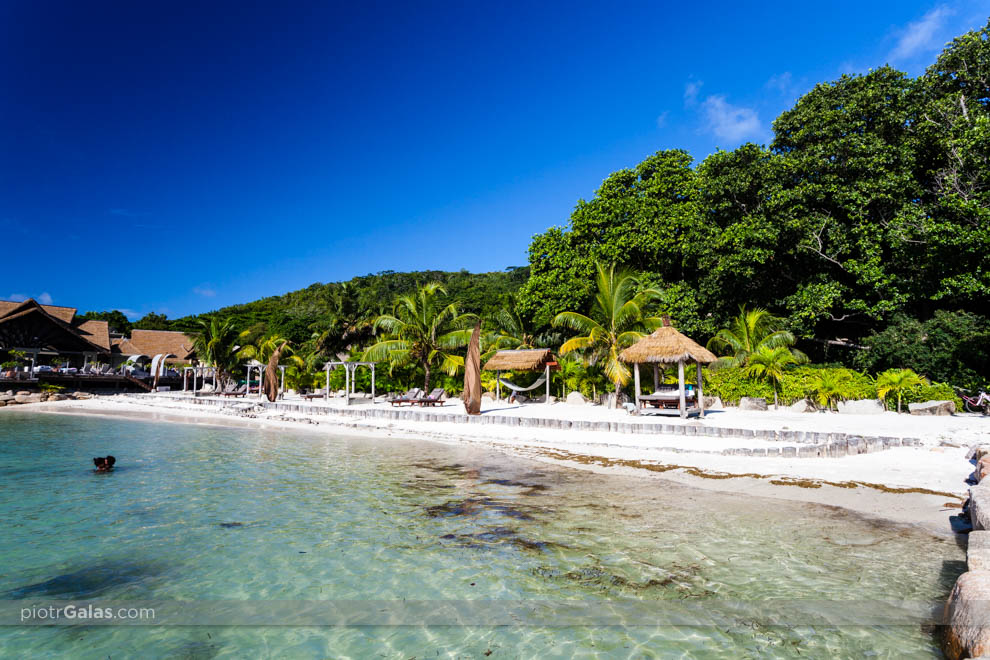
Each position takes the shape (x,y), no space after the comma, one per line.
(931,392)
(798,383)
(50,387)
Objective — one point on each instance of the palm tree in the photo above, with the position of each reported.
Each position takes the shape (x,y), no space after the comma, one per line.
(266,346)
(423,330)
(216,346)
(768,363)
(616,322)
(749,331)
(829,387)
(897,380)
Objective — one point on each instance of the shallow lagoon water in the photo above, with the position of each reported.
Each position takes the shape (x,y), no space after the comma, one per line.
(207,513)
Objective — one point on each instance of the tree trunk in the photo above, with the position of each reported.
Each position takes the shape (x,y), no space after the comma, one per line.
(615,402)
(426,381)
(775,403)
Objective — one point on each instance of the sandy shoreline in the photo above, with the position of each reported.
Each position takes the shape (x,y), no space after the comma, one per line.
(912,485)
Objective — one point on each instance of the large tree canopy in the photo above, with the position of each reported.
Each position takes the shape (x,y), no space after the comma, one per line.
(871,201)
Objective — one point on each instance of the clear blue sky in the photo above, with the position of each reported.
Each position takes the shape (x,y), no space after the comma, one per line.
(178,157)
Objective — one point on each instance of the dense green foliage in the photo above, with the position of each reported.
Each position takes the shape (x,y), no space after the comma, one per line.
(871,203)
(298,314)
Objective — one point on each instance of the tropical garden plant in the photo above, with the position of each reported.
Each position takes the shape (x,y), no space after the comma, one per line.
(216,345)
(423,329)
(616,321)
(898,381)
(750,331)
(767,363)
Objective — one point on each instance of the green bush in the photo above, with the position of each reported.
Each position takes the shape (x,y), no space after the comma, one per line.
(731,384)
(921,393)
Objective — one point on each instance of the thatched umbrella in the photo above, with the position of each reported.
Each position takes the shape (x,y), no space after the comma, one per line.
(472,373)
(521,359)
(271,374)
(667,346)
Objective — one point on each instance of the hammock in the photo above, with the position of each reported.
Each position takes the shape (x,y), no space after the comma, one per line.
(517,388)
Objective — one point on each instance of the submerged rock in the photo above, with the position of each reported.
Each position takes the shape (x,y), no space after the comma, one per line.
(939,408)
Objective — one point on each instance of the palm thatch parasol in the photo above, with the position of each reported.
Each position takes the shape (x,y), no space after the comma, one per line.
(668,346)
(523,359)
(271,374)
(472,373)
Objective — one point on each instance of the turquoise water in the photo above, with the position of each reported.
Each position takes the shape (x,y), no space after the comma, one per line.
(204,513)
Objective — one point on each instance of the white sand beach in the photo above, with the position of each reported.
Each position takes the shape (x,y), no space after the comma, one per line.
(920,485)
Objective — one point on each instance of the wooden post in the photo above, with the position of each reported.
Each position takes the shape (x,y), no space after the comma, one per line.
(347,386)
(656,377)
(326,392)
(547,400)
(282,386)
(680,382)
(636,389)
(372,383)
(701,394)
(498,385)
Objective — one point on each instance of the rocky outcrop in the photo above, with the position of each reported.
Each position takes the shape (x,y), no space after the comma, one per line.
(861,407)
(803,406)
(979,506)
(932,408)
(576,399)
(713,403)
(752,403)
(966,614)
(978,551)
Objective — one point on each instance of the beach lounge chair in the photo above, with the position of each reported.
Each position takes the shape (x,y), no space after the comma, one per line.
(434,398)
(409,397)
(318,394)
(667,398)
(239,391)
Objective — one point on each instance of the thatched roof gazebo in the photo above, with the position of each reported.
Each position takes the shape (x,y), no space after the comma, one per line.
(666,346)
(523,359)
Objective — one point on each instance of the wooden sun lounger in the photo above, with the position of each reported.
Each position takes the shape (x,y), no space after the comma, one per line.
(315,395)
(240,391)
(432,400)
(410,397)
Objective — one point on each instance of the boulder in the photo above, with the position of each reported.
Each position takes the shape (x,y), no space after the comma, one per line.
(576,399)
(752,403)
(939,408)
(803,406)
(713,403)
(22,393)
(2,403)
(967,614)
(58,396)
(6,397)
(982,468)
(979,506)
(28,398)
(978,550)
(861,407)
(488,395)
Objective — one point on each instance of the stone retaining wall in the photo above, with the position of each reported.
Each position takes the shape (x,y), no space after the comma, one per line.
(812,444)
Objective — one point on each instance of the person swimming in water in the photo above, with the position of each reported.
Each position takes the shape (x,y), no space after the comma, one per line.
(104,464)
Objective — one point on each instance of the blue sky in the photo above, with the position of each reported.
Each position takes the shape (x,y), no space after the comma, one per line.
(178,157)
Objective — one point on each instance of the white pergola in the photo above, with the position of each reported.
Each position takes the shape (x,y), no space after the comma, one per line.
(349,369)
(196,373)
